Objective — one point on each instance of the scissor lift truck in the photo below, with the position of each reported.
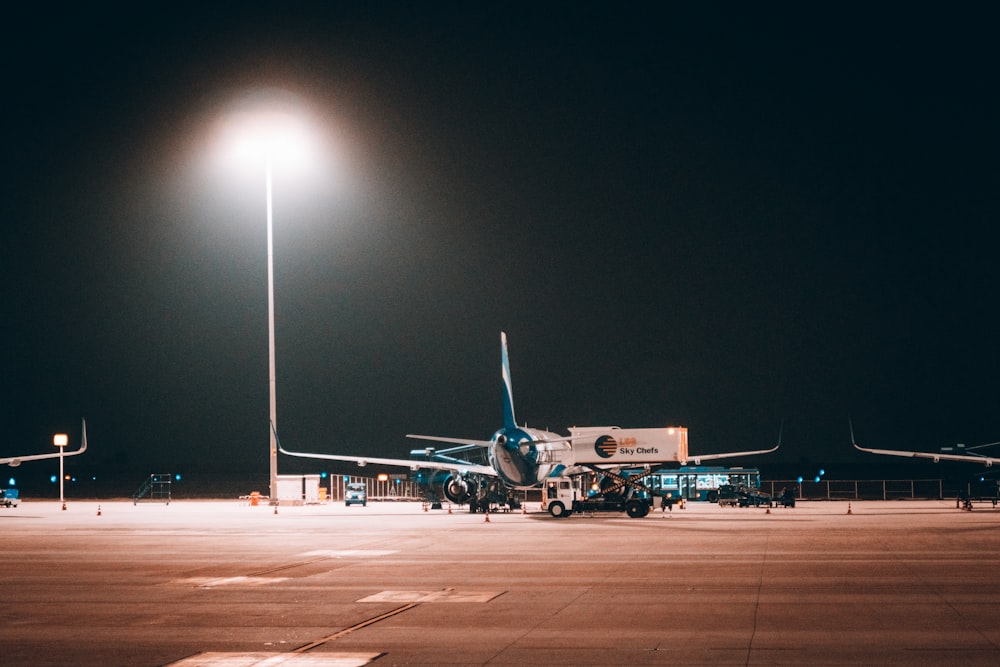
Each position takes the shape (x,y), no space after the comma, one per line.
(614,492)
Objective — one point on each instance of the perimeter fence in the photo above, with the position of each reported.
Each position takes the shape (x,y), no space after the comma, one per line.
(883,489)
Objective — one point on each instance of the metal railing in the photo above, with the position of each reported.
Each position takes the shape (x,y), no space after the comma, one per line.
(882,489)
(378,489)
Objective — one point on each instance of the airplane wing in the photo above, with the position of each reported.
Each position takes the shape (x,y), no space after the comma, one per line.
(485,443)
(987,461)
(620,465)
(403,463)
(698,458)
(457,441)
(14,461)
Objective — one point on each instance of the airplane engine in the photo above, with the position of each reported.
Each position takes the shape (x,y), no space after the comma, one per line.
(456,489)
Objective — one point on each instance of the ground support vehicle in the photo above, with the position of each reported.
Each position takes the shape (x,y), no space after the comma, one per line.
(609,492)
(732,495)
(491,496)
(964,501)
(756,498)
(507,503)
(728,496)
(9,498)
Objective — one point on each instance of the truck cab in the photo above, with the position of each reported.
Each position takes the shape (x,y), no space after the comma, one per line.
(558,496)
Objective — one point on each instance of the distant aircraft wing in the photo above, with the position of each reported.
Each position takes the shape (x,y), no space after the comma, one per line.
(412,464)
(987,461)
(14,461)
(698,458)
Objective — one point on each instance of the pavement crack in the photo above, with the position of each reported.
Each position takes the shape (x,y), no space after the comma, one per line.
(756,606)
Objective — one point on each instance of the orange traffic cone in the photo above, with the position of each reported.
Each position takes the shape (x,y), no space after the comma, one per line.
(487,518)
(98,510)
(849,508)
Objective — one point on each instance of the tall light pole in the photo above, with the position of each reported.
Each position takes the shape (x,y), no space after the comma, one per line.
(269,128)
(271,376)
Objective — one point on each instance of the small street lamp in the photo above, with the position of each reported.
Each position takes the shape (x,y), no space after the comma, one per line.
(60,440)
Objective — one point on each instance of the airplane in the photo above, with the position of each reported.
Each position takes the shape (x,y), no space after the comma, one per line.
(522,458)
(15,461)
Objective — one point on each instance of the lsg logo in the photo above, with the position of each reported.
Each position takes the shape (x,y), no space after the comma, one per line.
(607,445)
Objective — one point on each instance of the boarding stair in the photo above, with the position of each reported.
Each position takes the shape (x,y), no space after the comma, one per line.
(155,488)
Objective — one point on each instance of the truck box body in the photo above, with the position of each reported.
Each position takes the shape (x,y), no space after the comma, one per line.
(611,444)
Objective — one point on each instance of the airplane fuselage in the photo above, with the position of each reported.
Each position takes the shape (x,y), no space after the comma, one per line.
(524,457)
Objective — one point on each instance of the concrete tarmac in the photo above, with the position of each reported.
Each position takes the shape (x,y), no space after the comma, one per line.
(222,583)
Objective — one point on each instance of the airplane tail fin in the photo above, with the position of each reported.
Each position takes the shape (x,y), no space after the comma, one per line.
(508,395)
(83,441)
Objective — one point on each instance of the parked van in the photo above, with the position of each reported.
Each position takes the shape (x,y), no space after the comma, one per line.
(356,494)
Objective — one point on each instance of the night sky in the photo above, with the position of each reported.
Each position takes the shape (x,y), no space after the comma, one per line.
(722,216)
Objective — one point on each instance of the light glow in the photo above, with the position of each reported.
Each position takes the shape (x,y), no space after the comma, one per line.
(60,440)
(270,127)
(256,136)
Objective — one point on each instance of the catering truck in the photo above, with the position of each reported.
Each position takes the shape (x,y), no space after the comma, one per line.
(606,467)
(597,491)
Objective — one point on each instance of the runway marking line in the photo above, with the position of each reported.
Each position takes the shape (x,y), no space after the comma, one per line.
(219,659)
(350,553)
(447,595)
(212,582)
(258,578)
